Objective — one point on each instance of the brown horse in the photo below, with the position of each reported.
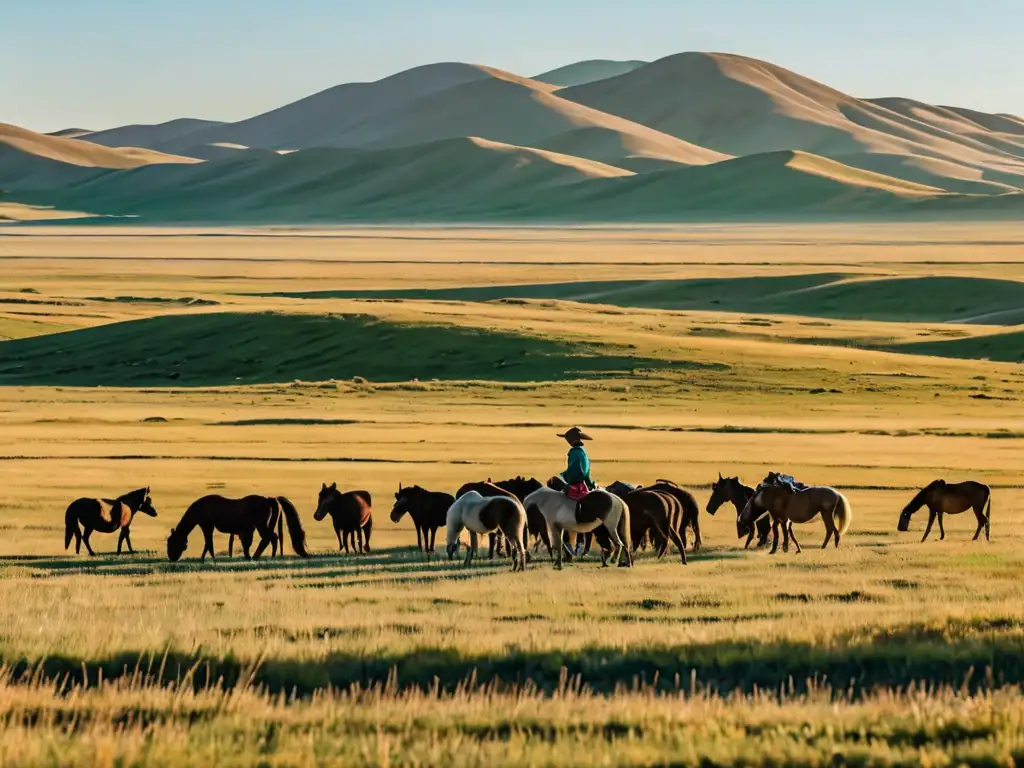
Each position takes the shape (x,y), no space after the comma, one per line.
(730,489)
(428,510)
(944,498)
(488,490)
(240,517)
(105,516)
(536,526)
(689,508)
(786,505)
(659,513)
(352,514)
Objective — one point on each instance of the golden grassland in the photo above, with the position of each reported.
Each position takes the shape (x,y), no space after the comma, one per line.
(885,651)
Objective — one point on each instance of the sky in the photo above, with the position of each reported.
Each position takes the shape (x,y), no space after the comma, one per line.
(100,63)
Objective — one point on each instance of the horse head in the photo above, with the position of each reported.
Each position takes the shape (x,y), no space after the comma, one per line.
(176,545)
(324,498)
(924,496)
(404,499)
(146,507)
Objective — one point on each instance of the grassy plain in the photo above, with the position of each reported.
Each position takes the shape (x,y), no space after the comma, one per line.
(185,369)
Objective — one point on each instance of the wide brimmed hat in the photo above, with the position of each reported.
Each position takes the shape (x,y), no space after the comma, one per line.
(575,434)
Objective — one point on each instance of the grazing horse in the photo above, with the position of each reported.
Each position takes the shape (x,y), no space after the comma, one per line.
(488,490)
(240,517)
(483,514)
(730,489)
(944,498)
(659,513)
(786,505)
(596,509)
(105,516)
(352,515)
(428,510)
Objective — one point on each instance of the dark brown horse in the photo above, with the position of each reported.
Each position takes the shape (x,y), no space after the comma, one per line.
(786,506)
(730,489)
(105,516)
(944,498)
(352,514)
(240,517)
(428,510)
(659,513)
(536,526)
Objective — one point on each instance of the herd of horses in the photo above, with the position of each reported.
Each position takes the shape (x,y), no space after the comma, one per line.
(513,513)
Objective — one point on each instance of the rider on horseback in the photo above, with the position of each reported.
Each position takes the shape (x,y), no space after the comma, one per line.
(577,474)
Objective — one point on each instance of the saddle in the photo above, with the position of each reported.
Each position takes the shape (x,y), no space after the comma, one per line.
(785,481)
(576,491)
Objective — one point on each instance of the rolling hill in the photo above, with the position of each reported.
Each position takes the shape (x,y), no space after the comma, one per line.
(694,135)
(588,71)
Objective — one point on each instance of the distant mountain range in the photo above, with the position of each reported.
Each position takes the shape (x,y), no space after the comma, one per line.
(690,136)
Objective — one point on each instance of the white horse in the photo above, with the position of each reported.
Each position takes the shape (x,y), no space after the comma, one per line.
(480,515)
(596,509)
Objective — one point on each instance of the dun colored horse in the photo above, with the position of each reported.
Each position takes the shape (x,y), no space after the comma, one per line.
(428,510)
(597,509)
(240,517)
(944,498)
(730,489)
(482,514)
(786,505)
(105,516)
(352,515)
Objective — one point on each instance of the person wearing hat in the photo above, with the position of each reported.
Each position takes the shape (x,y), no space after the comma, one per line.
(578,472)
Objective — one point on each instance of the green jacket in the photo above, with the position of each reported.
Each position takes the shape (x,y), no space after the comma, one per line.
(579,467)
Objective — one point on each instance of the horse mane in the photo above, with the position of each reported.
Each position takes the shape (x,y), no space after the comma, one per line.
(920,499)
(138,496)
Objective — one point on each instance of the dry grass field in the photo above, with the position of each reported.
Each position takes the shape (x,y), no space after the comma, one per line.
(270,361)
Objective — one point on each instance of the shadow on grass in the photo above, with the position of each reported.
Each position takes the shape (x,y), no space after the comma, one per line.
(972,655)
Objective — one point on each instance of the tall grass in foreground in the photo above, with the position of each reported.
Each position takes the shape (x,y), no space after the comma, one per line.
(134,721)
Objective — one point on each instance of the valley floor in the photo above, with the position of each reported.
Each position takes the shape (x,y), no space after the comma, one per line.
(175,367)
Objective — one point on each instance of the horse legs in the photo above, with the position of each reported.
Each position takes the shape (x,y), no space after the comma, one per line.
(207,543)
(980,514)
(367,530)
(698,542)
(474,542)
(555,535)
(245,539)
(433,540)
(126,532)
(679,542)
(85,540)
(785,536)
(231,545)
(267,537)
(775,537)
(792,535)
(492,539)
(750,538)
(928,528)
(619,545)
(942,531)
(280,532)
(830,528)
(120,540)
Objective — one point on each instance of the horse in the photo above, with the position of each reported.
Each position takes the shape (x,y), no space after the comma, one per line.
(352,515)
(732,490)
(786,505)
(657,512)
(428,510)
(944,498)
(522,487)
(105,516)
(488,490)
(689,508)
(596,509)
(240,517)
(486,514)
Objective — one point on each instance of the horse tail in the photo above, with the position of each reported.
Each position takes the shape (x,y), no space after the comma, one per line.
(624,532)
(280,531)
(70,525)
(843,515)
(988,514)
(291,517)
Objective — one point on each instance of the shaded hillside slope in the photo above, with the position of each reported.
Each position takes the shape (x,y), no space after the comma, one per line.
(250,348)
(581,72)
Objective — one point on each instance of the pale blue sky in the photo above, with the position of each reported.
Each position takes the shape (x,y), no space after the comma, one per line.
(100,63)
